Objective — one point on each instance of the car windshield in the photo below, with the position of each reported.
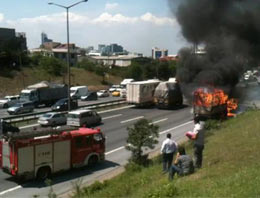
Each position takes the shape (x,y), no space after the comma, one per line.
(115,86)
(61,101)
(47,115)
(18,105)
(70,115)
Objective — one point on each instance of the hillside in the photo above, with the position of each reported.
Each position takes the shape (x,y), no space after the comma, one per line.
(28,76)
(230,168)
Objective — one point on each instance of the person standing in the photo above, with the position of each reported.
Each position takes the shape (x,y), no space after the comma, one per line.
(183,164)
(168,148)
(198,145)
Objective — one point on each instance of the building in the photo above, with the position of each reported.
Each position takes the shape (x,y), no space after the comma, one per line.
(115,48)
(58,50)
(112,49)
(158,53)
(120,61)
(8,35)
(45,38)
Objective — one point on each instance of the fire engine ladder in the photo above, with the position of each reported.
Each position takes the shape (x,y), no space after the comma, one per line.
(36,133)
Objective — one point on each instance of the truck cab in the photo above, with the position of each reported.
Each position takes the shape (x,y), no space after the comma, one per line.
(78,91)
(29,95)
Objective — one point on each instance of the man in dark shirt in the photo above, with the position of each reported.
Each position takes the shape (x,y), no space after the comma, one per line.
(183,164)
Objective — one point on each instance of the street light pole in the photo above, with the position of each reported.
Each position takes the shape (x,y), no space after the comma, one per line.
(68,43)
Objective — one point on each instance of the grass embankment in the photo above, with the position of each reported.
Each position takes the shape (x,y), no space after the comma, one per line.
(231,168)
(28,76)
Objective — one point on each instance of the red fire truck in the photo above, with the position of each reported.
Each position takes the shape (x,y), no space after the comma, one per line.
(38,155)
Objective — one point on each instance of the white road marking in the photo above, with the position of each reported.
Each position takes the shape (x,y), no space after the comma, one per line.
(28,126)
(139,117)
(162,132)
(112,151)
(168,130)
(10,190)
(110,110)
(113,116)
(157,121)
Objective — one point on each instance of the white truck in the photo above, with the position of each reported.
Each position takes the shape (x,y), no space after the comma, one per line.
(44,93)
(141,93)
(78,91)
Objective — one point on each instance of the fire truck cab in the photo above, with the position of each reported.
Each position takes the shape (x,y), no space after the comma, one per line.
(30,156)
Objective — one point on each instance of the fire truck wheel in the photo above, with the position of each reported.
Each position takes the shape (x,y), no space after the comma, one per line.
(43,173)
(92,160)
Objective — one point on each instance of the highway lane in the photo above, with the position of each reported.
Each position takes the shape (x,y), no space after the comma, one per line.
(3,112)
(114,126)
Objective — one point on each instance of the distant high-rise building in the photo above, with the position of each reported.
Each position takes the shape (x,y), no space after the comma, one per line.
(111,49)
(101,47)
(44,38)
(115,48)
(158,53)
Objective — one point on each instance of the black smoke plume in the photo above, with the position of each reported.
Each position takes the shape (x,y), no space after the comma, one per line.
(230,32)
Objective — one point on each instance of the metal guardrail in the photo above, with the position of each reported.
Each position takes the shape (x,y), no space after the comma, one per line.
(33,116)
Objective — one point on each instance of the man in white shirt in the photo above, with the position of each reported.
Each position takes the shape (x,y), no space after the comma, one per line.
(169,147)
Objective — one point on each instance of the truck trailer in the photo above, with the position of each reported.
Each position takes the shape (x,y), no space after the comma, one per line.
(168,95)
(44,93)
(31,155)
(141,93)
(210,103)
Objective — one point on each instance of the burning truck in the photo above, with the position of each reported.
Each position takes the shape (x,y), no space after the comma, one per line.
(213,103)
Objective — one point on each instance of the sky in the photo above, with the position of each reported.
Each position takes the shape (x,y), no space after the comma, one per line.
(137,25)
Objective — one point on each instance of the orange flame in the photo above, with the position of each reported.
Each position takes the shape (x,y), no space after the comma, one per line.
(214,97)
(232,104)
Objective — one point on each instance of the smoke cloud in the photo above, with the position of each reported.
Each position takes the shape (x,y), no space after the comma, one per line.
(230,32)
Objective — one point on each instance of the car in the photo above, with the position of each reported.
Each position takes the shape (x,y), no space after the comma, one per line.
(123,93)
(83,117)
(116,93)
(114,88)
(103,93)
(9,101)
(52,119)
(21,107)
(62,105)
(90,96)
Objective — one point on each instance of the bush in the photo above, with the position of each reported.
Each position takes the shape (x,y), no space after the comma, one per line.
(96,186)
(212,124)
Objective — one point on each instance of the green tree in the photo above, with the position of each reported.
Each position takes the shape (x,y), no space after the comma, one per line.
(52,66)
(135,72)
(142,136)
(164,71)
(87,65)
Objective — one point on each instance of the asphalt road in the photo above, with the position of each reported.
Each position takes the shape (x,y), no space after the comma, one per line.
(114,126)
(3,112)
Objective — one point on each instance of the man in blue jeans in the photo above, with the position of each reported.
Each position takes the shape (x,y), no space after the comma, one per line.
(169,147)
(183,164)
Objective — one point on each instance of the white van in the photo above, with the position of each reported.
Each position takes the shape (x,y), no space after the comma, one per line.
(78,91)
(82,117)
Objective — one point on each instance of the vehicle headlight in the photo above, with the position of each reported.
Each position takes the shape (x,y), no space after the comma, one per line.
(58,107)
